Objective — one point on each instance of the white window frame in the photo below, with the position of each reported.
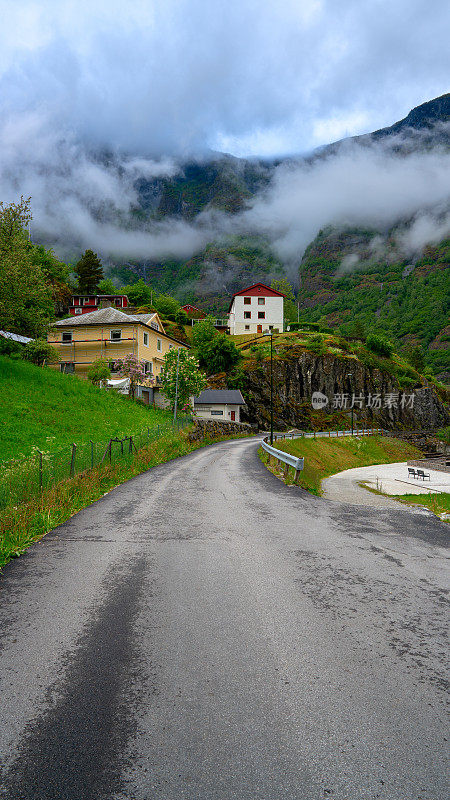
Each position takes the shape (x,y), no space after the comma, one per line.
(115,339)
(216,413)
(69,334)
(64,364)
(86,301)
(146,339)
(78,311)
(148,367)
(159,345)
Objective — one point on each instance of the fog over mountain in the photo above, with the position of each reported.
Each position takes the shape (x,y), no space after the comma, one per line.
(112,118)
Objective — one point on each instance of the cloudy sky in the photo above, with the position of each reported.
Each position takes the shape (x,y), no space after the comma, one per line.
(250,77)
(161,81)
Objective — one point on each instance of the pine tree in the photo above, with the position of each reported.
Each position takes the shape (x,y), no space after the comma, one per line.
(89,272)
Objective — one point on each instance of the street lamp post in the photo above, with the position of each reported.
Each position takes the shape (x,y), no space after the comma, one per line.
(270,333)
(350,375)
(176,388)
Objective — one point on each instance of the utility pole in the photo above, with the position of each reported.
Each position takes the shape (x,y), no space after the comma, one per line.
(176,388)
(350,375)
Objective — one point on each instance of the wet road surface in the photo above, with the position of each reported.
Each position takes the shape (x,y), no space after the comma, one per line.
(204,632)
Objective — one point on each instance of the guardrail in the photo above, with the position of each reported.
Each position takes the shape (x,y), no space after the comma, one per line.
(330,434)
(285,458)
(298,463)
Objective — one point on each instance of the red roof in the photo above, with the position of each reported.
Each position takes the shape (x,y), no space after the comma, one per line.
(257,290)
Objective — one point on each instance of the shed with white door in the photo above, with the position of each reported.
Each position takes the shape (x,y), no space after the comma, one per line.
(221,404)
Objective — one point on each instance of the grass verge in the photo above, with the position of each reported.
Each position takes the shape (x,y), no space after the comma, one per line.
(24,524)
(325,457)
(437,503)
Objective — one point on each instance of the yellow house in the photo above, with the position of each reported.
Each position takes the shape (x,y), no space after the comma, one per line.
(110,334)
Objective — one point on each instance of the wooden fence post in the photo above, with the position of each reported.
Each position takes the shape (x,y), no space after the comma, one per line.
(72,460)
(40,470)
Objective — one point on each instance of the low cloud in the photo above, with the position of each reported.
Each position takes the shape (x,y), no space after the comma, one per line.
(360,185)
(83,199)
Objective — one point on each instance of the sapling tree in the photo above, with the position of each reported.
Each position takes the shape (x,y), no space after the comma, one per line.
(130,367)
(190,380)
(99,371)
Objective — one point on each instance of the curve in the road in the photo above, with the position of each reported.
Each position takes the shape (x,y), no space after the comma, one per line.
(204,632)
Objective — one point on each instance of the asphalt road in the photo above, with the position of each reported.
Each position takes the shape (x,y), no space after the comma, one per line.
(205,633)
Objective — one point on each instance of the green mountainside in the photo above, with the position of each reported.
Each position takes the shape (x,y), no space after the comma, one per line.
(407,301)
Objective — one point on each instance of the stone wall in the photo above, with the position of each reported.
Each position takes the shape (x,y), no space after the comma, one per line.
(211,428)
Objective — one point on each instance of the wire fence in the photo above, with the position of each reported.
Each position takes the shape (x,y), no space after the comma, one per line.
(22,480)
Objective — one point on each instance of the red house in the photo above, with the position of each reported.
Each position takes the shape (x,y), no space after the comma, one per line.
(85,303)
(193,312)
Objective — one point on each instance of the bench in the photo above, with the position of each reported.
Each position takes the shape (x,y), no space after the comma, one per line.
(423,475)
(412,472)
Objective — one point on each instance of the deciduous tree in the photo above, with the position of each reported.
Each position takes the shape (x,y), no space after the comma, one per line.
(190,380)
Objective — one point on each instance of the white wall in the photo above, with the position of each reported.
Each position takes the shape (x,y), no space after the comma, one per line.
(273,309)
(204,411)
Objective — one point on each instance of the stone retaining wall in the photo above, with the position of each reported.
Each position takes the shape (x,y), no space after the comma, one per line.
(211,428)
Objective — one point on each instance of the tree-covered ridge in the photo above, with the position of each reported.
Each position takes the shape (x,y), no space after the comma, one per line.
(210,278)
(408,302)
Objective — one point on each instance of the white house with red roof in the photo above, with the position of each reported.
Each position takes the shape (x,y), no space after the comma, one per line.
(255,310)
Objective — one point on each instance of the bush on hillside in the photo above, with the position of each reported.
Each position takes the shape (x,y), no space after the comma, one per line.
(99,371)
(203,332)
(40,352)
(378,345)
(219,354)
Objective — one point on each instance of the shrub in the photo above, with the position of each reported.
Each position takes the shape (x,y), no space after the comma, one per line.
(40,352)
(378,345)
(219,354)
(99,371)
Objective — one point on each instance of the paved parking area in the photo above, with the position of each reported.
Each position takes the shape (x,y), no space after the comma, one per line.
(345,487)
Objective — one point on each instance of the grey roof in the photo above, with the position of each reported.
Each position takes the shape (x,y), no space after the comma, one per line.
(15,337)
(104,316)
(231,396)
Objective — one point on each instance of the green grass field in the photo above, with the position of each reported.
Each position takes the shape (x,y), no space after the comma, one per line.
(325,457)
(44,409)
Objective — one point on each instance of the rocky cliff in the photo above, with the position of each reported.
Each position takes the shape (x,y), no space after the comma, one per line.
(295,379)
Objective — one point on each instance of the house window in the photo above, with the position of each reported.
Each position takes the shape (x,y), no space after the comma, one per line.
(247,315)
(155,326)
(116,336)
(261,301)
(261,314)
(85,301)
(148,368)
(78,311)
(67,337)
(146,339)
(159,345)
(247,327)
(247,301)
(217,413)
(67,367)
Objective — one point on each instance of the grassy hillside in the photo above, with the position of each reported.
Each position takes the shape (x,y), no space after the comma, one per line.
(325,457)
(45,409)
